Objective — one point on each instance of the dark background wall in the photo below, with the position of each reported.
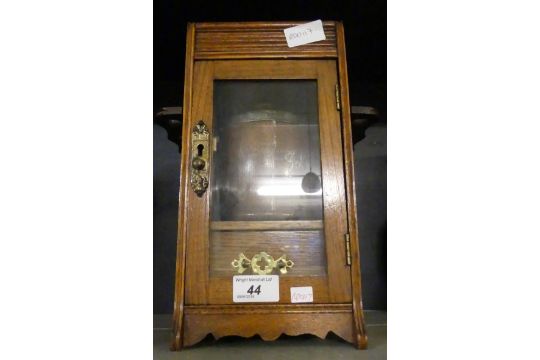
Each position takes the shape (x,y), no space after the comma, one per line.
(365,31)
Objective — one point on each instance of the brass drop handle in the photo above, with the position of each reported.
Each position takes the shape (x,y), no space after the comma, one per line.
(283,264)
(262,263)
(241,264)
(199,158)
(267,261)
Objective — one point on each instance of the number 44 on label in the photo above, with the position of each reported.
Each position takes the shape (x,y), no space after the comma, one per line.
(256,291)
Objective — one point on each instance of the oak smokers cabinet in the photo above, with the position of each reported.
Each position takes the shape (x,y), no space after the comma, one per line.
(267,187)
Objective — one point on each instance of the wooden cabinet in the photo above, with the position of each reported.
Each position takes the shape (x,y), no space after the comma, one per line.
(267,187)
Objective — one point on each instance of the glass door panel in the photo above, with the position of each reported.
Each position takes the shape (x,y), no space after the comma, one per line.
(266,185)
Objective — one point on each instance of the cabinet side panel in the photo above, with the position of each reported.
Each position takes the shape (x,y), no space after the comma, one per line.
(361,337)
(178,312)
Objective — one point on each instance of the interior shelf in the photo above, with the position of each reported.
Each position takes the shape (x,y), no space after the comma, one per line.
(267,225)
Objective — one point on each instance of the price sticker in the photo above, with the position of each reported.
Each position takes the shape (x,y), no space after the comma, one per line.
(255,288)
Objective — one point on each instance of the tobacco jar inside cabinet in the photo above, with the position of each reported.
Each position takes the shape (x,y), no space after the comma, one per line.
(267,234)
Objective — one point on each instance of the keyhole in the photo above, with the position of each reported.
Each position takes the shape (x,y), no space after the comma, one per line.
(200,148)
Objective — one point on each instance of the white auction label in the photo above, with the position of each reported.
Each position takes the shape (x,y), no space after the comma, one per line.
(256,288)
(302,294)
(305,33)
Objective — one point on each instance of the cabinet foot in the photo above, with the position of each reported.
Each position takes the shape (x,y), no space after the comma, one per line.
(361,342)
(177,340)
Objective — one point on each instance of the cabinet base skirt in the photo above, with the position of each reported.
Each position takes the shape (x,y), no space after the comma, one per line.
(267,321)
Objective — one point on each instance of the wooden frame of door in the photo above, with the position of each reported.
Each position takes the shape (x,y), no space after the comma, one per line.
(334,288)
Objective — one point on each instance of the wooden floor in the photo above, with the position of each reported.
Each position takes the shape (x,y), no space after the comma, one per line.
(286,347)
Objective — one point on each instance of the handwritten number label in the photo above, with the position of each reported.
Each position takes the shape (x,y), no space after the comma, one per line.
(305,33)
(301,33)
(302,294)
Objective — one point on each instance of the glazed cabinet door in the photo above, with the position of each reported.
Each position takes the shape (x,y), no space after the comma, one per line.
(265,177)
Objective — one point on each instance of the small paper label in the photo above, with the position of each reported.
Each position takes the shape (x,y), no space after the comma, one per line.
(305,33)
(255,288)
(302,294)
